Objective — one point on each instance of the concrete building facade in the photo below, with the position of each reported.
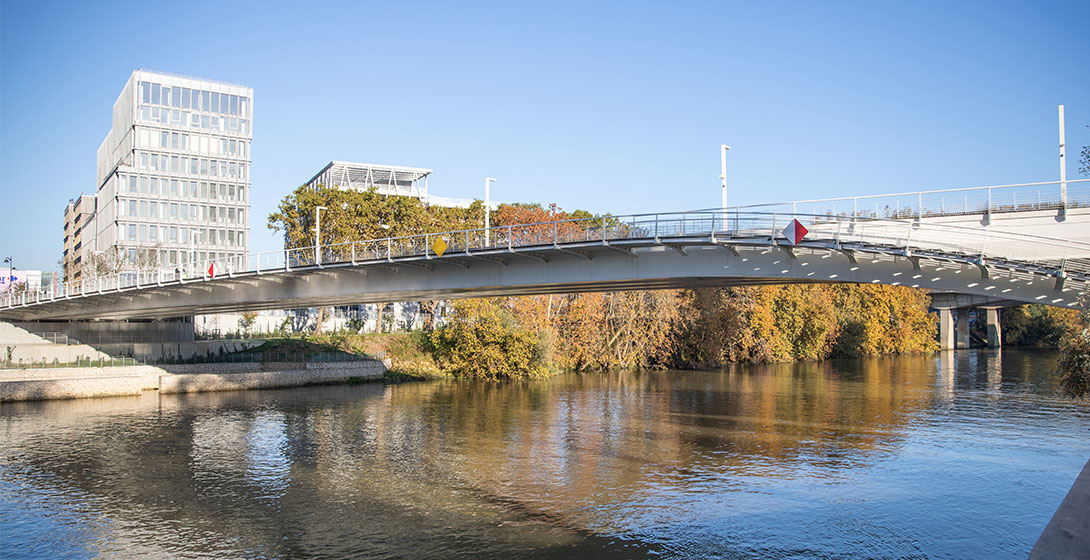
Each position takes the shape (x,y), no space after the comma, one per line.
(79,234)
(173,177)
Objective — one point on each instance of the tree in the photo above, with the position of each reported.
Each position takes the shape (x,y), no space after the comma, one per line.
(360,215)
(1074,362)
(1084,160)
(246,322)
(482,340)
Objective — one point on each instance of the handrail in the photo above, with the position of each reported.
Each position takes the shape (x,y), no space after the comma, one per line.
(913,193)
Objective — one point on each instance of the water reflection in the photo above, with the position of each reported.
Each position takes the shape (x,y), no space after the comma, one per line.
(954,454)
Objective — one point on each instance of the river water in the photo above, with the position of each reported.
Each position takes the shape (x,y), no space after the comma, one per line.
(947,456)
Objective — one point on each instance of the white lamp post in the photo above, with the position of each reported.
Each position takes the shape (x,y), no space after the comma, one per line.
(318,233)
(487,210)
(7,281)
(1063,166)
(723,177)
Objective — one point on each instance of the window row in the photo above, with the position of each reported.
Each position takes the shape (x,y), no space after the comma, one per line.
(143,184)
(192,166)
(192,237)
(199,143)
(193,120)
(182,258)
(183,212)
(198,100)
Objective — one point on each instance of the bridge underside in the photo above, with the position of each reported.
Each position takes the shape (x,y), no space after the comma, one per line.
(593,266)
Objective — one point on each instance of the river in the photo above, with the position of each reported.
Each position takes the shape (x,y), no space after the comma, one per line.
(939,456)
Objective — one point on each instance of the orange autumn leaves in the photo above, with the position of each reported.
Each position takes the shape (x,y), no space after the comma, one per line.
(683,328)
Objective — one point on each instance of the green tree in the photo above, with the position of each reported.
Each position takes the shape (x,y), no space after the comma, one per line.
(361,215)
(482,340)
(1074,362)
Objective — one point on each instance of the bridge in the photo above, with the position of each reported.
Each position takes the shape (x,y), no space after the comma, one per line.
(998,246)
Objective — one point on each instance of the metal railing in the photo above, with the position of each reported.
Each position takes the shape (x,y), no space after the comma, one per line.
(995,199)
(734,225)
(80,363)
(257,357)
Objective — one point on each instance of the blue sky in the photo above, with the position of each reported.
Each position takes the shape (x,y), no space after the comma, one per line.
(607,107)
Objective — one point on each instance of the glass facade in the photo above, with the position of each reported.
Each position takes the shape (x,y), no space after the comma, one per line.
(178,193)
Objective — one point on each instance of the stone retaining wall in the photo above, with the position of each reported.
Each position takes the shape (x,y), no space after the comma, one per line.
(308,374)
(74,383)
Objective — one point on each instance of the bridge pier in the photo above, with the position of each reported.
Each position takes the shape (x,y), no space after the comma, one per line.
(963,328)
(946,328)
(995,336)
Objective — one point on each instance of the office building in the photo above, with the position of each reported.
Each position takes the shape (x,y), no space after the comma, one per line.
(79,233)
(174,175)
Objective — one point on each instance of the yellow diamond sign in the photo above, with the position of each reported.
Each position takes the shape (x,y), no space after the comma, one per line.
(439,247)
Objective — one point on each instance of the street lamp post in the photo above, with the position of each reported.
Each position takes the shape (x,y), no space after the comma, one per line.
(318,233)
(487,211)
(7,282)
(1063,166)
(723,176)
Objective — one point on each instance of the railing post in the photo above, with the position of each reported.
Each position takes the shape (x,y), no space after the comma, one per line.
(467,241)
(919,205)
(389,249)
(989,210)
(656,228)
(510,234)
(287,261)
(353,252)
(555,228)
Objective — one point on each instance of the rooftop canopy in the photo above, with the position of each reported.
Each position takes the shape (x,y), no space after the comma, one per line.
(385,179)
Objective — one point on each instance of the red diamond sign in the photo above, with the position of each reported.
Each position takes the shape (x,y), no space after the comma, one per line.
(212,270)
(795,231)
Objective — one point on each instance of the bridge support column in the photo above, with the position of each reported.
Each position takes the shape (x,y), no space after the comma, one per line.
(995,336)
(946,329)
(963,328)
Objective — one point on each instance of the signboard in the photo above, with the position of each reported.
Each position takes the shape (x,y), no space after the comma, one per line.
(32,279)
(795,231)
(439,247)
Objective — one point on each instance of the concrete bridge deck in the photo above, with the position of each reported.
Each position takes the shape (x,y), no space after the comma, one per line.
(992,258)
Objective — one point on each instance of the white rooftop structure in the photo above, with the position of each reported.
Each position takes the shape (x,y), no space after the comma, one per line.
(388,180)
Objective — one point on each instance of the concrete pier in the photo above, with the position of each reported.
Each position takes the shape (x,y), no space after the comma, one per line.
(946,329)
(963,328)
(995,336)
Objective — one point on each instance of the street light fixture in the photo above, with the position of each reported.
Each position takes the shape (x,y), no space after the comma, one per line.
(7,282)
(487,211)
(318,233)
(723,176)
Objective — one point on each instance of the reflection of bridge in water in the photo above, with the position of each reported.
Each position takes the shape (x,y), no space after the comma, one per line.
(1000,245)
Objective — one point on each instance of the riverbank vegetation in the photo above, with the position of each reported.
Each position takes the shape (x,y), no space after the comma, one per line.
(1075,352)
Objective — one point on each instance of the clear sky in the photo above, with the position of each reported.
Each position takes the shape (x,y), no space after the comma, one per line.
(606,107)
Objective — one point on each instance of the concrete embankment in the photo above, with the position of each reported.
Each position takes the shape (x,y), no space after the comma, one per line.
(73,383)
(1067,536)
